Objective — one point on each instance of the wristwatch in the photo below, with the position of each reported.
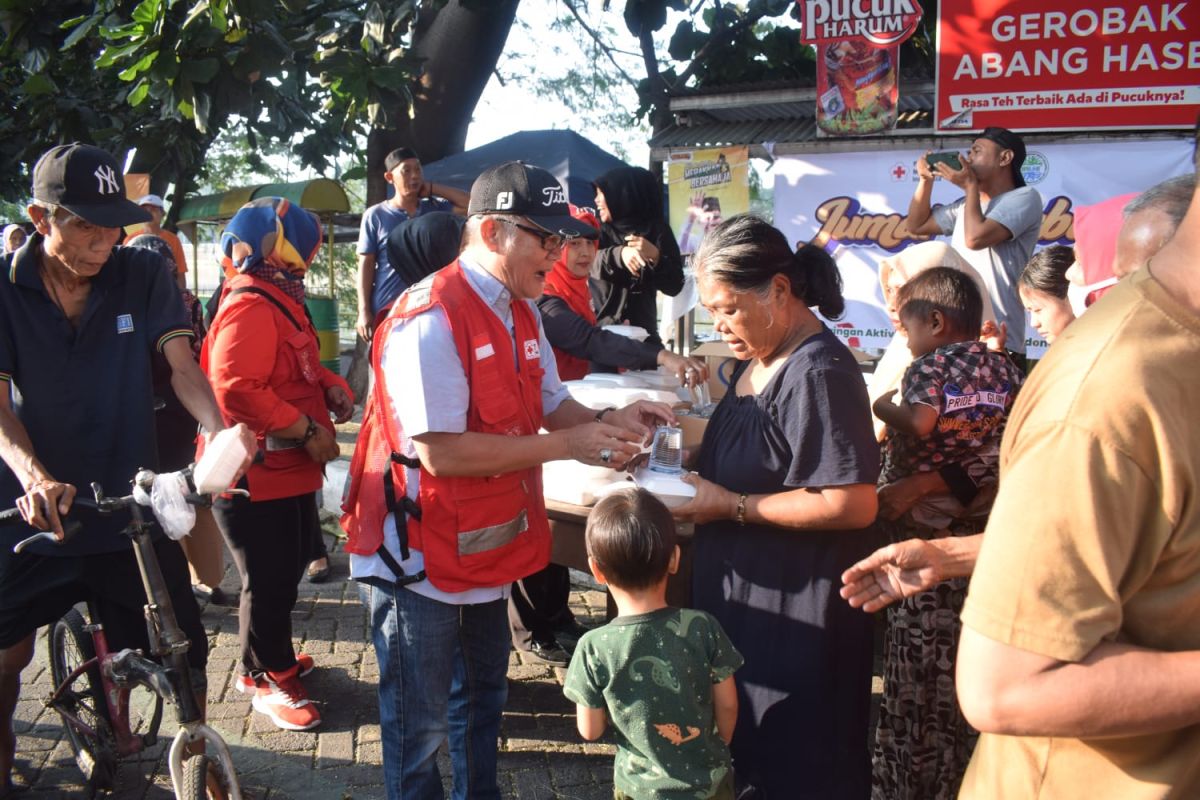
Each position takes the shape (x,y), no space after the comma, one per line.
(600,414)
(309,432)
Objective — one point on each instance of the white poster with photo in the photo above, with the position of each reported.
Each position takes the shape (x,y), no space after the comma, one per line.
(855,204)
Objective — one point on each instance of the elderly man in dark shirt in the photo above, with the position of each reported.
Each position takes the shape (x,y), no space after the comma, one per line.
(79,321)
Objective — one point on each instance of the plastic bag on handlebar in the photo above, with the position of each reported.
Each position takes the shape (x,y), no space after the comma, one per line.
(171,509)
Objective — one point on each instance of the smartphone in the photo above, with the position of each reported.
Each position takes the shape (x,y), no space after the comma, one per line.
(949,158)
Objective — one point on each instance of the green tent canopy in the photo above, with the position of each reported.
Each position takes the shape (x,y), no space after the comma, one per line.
(322,196)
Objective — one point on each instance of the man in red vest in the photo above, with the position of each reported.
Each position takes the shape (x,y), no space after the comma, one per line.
(445,508)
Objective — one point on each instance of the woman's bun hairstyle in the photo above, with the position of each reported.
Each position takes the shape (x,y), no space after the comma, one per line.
(745,253)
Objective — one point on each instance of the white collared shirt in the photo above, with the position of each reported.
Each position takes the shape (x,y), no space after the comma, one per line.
(428,385)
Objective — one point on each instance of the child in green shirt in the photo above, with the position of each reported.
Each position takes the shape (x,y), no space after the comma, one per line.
(663,675)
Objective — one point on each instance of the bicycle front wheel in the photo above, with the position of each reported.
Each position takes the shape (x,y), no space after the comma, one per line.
(201,781)
(70,646)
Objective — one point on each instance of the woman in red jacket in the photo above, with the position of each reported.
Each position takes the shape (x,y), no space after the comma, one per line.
(262,358)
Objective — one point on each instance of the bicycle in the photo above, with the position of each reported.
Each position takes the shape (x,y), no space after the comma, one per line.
(93,685)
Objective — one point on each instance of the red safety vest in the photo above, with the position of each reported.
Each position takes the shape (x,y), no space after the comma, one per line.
(473,532)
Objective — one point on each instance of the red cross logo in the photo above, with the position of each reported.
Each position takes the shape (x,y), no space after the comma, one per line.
(899,172)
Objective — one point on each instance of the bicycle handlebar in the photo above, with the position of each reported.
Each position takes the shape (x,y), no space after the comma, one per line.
(102,505)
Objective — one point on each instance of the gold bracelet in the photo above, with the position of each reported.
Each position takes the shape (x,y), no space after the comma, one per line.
(741,509)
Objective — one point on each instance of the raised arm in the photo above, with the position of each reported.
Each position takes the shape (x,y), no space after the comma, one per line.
(457,197)
(979,232)
(920,221)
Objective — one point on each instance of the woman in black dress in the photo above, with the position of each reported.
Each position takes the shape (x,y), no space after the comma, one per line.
(785,502)
(638,255)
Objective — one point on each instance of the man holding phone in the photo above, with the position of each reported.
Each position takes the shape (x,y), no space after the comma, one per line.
(994,225)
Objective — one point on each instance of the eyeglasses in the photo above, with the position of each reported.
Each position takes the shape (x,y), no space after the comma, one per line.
(551,242)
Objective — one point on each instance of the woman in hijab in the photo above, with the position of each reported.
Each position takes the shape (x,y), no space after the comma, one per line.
(571,324)
(420,246)
(263,361)
(638,255)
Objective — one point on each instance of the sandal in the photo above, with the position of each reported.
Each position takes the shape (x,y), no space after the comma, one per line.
(320,574)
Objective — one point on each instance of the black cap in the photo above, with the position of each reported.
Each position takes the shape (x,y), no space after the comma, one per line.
(523,190)
(398,157)
(86,181)
(1009,141)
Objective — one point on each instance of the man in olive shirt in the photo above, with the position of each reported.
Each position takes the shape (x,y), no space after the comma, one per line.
(1080,651)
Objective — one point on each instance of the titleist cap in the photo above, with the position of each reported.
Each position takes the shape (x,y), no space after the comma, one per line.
(523,190)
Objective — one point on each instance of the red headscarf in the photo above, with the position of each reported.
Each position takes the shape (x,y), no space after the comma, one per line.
(561,283)
(574,291)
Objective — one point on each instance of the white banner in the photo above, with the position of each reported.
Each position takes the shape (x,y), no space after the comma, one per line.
(855,204)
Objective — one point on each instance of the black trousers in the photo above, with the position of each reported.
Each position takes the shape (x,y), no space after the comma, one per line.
(271,542)
(538,606)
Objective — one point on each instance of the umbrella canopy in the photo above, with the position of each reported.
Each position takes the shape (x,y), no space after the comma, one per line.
(571,158)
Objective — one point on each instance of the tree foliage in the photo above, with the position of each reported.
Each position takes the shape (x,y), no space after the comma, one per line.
(712,43)
(166,76)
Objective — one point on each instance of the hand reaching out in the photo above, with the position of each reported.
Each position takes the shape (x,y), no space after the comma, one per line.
(893,573)
(691,371)
(602,445)
(711,502)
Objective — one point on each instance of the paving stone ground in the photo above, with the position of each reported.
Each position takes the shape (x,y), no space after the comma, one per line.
(541,755)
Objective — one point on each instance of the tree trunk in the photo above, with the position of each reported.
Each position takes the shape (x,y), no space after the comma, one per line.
(460,45)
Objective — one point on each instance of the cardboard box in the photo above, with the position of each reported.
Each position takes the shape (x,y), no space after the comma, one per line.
(720,362)
(693,430)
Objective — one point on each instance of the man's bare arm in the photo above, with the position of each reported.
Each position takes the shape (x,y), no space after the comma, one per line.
(1117,690)
(457,197)
(366,287)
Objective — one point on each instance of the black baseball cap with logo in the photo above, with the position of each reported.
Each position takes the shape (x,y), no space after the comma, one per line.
(523,190)
(86,181)
(1008,141)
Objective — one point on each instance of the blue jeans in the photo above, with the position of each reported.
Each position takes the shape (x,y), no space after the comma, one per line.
(442,672)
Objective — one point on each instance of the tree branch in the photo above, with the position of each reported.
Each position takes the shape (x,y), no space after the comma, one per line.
(715,40)
(608,51)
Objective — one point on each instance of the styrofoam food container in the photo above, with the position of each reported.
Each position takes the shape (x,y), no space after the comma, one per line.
(629,331)
(670,489)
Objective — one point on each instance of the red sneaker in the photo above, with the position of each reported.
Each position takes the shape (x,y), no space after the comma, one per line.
(247,685)
(281,697)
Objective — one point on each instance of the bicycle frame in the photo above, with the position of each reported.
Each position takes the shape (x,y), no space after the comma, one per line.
(170,643)
(116,688)
(170,680)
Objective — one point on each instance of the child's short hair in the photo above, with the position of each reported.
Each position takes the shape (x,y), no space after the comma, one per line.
(949,291)
(631,535)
